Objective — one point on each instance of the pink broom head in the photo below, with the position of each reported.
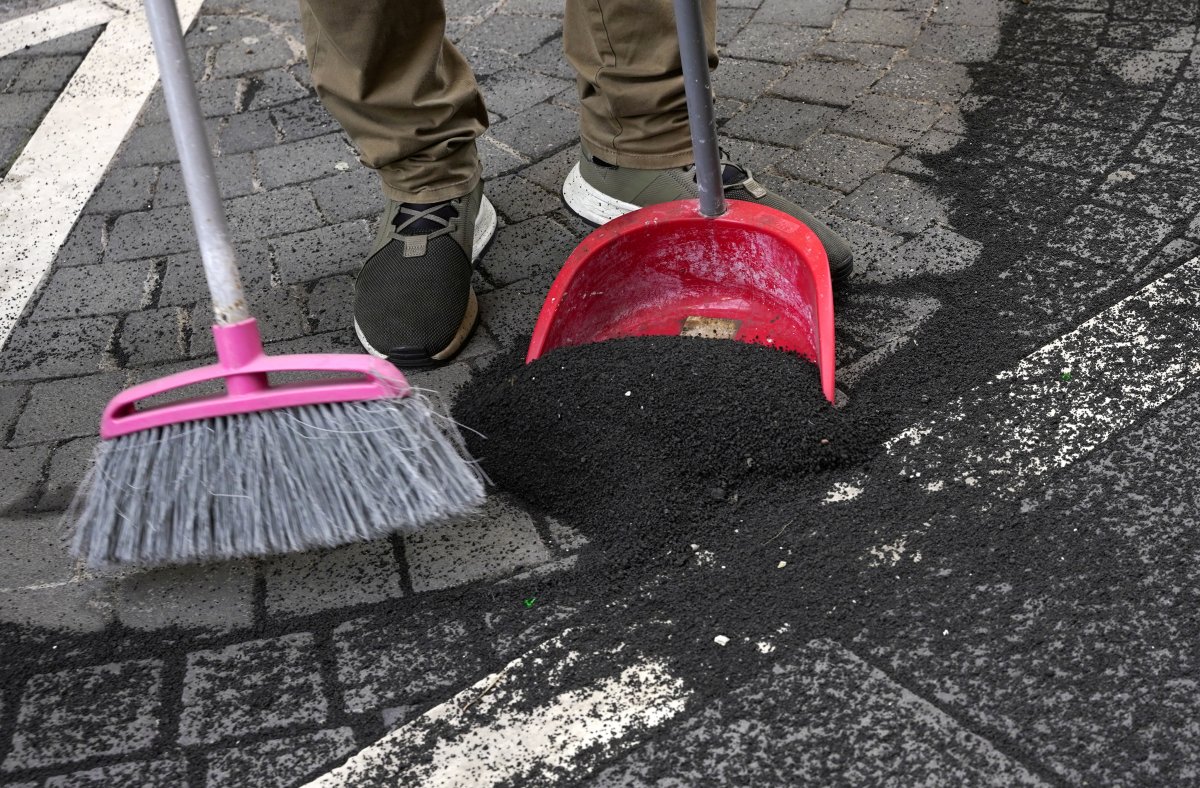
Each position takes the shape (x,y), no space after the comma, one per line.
(244,367)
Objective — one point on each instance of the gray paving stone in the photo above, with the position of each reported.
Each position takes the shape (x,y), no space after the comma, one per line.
(1073,148)
(518,199)
(836,84)
(353,194)
(331,303)
(837,161)
(183,282)
(1184,102)
(277,212)
(271,89)
(892,28)
(306,160)
(442,383)
(279,763)
(925,80)
(76,607)
(1162,193)
(72,44)
(124,189)
(25,109)
(497,160)
(810,13)
(383,664)
(33,551)
(1182,10)
(1126,110)
(75,714)
(153,233)
(222,28)
(551,171)
(217,597)
(512,34)
(70,463)
(846,712)
(301,584)
(153,144)
(171,771)
(892,121)
(514,90)
(235,178)
(12,399)
(785,123)
(1093,232)
(731,19)
(66,408)
(873,246)
(328,250)
(1171,144)
(745,80)
(937,251)
(217,97)
(58,348)
(303,120)
(511,311)
(771,41)
(279,311)
(533,248)
(894,202)
(977,13)
(251,687)
(1145,68)
(152,336)
(548,59)
(538,131)
(500,540)
(85,245)
(957,43)
(869,55)
(249,131)
(235,58)
(81,291)
(1162,36)
(12,142)
(808,196)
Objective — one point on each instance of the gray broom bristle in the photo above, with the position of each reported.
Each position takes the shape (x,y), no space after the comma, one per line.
(273,481)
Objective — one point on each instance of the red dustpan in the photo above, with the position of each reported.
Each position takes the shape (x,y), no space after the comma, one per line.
(708,267)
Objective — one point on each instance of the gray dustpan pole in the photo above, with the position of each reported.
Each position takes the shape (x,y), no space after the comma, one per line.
(195,161)
(701,118)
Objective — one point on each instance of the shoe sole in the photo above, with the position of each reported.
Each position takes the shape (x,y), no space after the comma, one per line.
(589,203)
(485,229)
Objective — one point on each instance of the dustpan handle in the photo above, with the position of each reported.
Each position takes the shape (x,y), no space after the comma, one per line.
(701,118)
(195,161)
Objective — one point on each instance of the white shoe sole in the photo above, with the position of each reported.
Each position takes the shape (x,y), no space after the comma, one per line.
(589,202)
(485,228)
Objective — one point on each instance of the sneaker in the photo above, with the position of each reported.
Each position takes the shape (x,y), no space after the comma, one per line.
(600,192)
(413,300)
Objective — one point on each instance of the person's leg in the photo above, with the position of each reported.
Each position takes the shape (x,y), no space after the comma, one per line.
(409,102)
(635,145)
(403,93)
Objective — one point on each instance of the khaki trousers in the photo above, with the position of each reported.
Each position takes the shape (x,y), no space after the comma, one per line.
(409,101)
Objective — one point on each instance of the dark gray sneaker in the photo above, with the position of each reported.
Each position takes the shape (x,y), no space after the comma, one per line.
(600,192)
(413,300)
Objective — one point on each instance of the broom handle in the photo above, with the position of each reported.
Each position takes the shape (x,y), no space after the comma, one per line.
(199,176)
(701,118)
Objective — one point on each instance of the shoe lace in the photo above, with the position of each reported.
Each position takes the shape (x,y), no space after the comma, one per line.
(419,217)
(728,167)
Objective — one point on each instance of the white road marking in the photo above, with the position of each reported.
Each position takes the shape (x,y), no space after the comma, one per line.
(1072,395)
(52,23)
(484,736)
(63,163)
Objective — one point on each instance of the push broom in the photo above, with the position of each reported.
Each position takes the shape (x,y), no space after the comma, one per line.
(264,467)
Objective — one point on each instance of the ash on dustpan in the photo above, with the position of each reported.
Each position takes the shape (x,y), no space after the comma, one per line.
(654,431)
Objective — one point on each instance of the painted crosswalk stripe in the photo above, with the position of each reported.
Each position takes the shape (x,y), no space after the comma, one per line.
(60,167)
(486,735)
(1059,403)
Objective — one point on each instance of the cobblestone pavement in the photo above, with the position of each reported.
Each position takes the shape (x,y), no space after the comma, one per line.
(270,672)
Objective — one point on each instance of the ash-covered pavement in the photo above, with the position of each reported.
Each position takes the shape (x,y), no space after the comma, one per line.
(1004,594)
